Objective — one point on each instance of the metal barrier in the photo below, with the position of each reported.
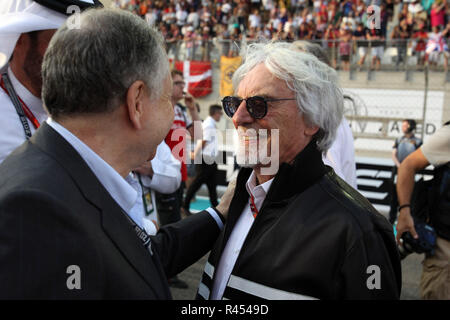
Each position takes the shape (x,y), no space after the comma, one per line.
(393,55)
(375,114)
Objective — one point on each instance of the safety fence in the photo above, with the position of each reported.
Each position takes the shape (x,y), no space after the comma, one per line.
(395,54)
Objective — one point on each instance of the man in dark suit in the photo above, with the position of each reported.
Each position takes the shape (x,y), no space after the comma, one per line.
(70,212)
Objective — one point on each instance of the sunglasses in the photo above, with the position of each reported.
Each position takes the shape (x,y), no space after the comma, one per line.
(256,106)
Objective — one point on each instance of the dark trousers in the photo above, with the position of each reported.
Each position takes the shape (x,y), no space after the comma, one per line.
(204,173)
(169,205)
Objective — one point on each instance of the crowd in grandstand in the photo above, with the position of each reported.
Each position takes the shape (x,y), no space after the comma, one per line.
(340,25)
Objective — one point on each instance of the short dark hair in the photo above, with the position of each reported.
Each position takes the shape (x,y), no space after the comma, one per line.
(89,70)
(214,108)
(176,72)
(412,124)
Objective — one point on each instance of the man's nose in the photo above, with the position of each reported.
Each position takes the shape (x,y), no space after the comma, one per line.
(241,116)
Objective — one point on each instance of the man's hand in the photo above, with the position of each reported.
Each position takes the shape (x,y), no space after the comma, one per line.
(225,201)
(156,225)
(145,169)
(413,163)
(405,223)
(190,102)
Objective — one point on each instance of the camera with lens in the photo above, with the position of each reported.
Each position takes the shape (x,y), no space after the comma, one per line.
(424,244)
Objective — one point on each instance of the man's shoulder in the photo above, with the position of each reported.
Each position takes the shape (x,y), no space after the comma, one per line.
(30,167)
(349,205)
(437,148)
(209,123)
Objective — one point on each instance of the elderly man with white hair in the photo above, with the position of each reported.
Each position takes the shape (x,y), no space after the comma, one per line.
(295,230)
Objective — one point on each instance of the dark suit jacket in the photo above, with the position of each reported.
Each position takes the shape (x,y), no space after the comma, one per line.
(54,213)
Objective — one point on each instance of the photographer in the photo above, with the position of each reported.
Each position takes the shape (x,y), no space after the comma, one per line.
(403,146)
(436,151)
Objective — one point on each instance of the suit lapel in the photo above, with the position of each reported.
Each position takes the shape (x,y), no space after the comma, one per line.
(119,229)
(114,220)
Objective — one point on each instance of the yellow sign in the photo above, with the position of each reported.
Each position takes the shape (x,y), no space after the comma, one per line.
(227,68)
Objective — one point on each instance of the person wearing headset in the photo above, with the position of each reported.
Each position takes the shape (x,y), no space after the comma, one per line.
(403,146)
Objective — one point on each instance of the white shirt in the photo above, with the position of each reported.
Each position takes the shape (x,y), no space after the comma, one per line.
(166,179)
(210,135)
(341,155)
(12,134)
(437,148)
(166,171)
(254,21)
(181,17)
(194,19)
(237,237)
(126,192)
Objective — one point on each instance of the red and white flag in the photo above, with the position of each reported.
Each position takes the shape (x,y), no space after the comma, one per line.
(197,75)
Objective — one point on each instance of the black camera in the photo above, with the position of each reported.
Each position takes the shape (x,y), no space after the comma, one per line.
(424,244)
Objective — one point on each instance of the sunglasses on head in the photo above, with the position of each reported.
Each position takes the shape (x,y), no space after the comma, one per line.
(256,106)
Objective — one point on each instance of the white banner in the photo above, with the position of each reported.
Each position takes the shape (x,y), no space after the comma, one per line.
(405,104)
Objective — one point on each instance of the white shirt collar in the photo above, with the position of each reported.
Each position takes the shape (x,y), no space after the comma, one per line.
(260,191)
(124,191)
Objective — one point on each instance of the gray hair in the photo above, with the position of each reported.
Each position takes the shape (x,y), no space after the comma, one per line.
(315,84)
(312,48)
(89,69)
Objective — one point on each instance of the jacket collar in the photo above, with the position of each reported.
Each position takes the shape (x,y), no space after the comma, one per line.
(114,220)
(295,178)
(290,180)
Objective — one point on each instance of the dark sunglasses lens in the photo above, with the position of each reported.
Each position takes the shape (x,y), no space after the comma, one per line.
(230,105)
(257,107)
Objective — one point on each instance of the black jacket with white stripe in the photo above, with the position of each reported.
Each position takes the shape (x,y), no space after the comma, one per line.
(314,237)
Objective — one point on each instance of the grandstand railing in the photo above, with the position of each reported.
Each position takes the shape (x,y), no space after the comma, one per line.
(396,54)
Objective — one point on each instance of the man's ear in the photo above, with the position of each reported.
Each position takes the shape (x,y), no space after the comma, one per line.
(311,130)
(135,103)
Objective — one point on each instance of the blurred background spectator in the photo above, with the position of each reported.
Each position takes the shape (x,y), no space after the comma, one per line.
(405,26)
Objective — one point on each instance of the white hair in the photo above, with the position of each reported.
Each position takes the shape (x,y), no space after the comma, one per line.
(319,97)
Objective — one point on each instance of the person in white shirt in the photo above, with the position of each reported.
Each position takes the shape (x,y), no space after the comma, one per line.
(161,174)
(254,19)
(205,155)
(26,28)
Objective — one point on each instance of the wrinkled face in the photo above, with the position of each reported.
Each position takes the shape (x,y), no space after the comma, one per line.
(283,124)
(159,117)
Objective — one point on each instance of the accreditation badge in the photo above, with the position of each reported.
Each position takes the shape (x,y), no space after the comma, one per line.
(148,202)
